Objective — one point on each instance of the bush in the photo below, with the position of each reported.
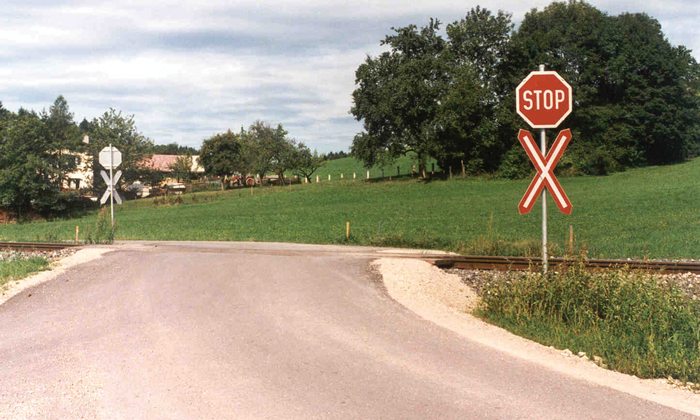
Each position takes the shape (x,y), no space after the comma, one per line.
(515,164)
(65,204)
(599,162)
(638,324)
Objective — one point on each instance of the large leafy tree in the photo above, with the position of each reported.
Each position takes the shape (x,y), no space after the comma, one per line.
(470,113)
(267,149)
(635,100)
(398,96)
(221,155)
(29,178)
(635,96)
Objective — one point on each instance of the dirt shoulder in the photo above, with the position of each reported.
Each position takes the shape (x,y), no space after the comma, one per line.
(57,268)
(445,300)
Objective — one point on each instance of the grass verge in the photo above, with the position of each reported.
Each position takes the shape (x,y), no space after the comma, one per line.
(629,322)
(18,267)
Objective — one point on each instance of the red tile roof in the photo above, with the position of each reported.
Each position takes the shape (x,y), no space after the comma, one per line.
(162,162)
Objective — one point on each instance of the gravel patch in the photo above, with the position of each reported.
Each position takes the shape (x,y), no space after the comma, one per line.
(51,256)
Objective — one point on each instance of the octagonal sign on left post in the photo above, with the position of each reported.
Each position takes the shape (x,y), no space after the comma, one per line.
(106,160)
(543,99)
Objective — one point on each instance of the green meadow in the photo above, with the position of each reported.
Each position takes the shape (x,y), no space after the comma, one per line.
(650,212)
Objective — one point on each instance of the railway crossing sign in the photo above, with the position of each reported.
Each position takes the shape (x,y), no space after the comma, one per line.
(545,174)
(543,99)
(110,187)
(110,158)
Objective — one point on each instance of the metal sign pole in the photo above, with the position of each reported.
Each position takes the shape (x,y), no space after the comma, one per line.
(111,182)
(543,148)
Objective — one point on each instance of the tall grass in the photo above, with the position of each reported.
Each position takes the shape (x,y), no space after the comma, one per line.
(634,322)
(19,267)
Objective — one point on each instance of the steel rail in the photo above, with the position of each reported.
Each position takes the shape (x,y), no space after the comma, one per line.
(526,263)
(35,246)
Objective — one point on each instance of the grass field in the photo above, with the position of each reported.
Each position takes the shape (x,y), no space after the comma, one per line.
(650,212)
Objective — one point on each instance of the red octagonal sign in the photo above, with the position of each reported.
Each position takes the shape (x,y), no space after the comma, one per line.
(543,99)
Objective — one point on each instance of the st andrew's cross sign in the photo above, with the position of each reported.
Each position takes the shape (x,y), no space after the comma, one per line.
(545,176)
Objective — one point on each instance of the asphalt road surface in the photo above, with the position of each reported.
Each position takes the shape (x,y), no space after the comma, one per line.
(231,331)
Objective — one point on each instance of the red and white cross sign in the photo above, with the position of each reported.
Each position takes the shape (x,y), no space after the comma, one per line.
(545,174)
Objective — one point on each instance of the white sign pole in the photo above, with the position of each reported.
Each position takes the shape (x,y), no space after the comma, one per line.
(543,148)
(111,181)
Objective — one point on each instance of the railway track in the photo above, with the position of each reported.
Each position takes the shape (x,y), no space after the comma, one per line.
(35,246)
(475,262)
(525,263)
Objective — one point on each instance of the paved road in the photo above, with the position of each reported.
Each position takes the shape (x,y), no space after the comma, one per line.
(213,331)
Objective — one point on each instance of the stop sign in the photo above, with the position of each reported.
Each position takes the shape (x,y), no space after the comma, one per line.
(543,99)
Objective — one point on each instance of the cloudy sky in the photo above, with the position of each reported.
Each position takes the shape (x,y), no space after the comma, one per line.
(189,69)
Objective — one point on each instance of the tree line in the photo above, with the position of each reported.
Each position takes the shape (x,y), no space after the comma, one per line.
(39,150)
(259,150)
(452,98)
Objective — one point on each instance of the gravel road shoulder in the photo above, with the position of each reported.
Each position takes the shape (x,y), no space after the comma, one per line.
(446,300)
(58,267)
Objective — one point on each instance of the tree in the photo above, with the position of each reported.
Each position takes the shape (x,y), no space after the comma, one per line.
(64,137)
(398,95)
(305,163)
(182,168)
(121,132)
(267,149)
(434,97)
(635,95)
(29,178)
(173,149)
(469,113)
(221,155)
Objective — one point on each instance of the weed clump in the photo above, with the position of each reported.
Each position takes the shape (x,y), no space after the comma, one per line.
(103,232)
(635,323)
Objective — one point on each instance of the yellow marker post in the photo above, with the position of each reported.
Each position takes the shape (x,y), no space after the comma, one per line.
(347,231)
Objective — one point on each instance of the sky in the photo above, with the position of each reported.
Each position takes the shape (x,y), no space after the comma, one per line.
(188,69)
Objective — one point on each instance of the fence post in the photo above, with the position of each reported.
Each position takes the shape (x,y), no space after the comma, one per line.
(464,173)
(354,175)
(329,177)
(413,170)
(398,171)
(317,179)
(367,174)
(571,239)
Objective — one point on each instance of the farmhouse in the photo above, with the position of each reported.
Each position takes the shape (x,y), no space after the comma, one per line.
(164,164)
